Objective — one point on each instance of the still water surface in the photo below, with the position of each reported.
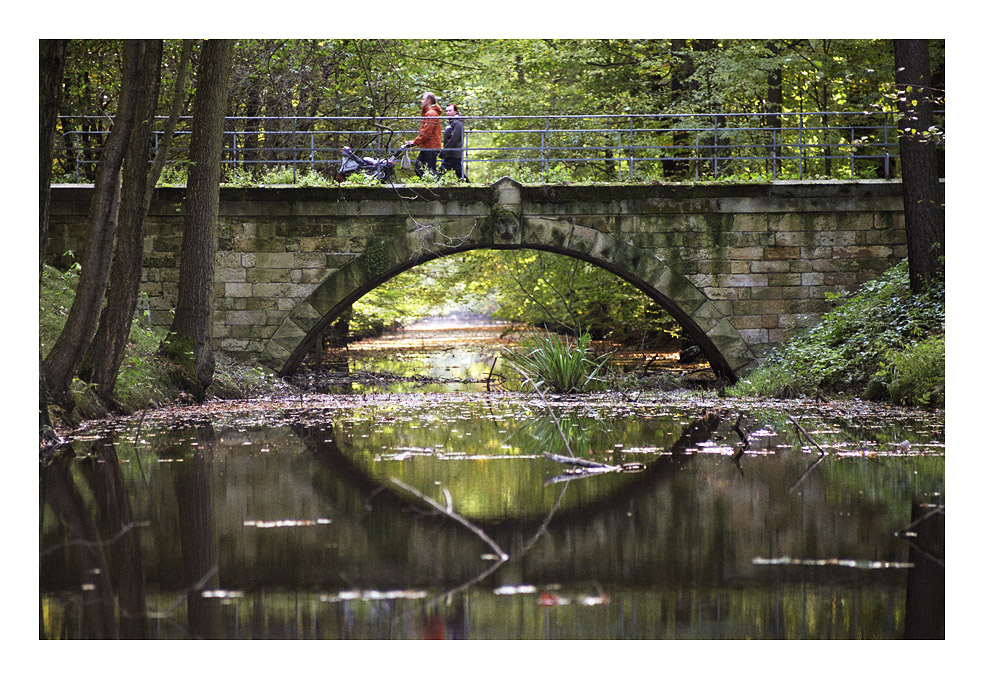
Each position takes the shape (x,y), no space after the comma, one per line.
(433,512)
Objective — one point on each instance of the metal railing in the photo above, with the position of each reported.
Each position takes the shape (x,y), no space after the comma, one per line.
(626,147)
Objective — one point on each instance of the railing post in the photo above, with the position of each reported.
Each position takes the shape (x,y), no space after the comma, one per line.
(294,149)
(885,148)
(800,142)
(851,155)
(619,144)
(697,152)
(631,141)
(714,151)
(775,151)
(545,140)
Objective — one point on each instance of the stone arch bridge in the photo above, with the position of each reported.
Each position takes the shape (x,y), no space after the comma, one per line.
(739,266)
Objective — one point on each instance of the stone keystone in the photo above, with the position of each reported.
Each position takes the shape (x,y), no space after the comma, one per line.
(506,211)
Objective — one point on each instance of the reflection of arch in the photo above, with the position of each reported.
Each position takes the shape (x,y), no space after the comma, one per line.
(700,316)
(325,445)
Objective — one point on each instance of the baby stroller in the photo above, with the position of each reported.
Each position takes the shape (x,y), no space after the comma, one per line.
(380,169)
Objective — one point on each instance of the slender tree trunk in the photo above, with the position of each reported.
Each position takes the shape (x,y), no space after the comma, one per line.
(923,195)
(189,342)
(683,68)
(104,357)
(774,106)
(51,69)
(62,361)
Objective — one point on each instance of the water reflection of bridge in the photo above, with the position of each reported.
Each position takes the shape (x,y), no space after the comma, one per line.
(685,524)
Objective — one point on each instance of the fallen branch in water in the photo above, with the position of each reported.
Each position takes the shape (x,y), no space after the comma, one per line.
(820,457)
(446,510)
(804,432)
(586,468)
(581,462)
(807,472)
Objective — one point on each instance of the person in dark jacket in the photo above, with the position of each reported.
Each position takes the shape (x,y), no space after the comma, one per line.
(451,142)
(429,137)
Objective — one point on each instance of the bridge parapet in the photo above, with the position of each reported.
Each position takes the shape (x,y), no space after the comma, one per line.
(740,266)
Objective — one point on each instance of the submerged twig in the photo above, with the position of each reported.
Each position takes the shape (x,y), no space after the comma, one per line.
(937,510)
(95,544)
(586,468)
(807,472)
(804,432)
(581,462)
(165,613)
(491,368)
(455,516)
(820,457)
(743,445)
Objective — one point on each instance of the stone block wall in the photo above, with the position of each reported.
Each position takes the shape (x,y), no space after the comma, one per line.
(768,256)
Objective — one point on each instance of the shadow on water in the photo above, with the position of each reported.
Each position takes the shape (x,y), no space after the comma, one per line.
(388,516)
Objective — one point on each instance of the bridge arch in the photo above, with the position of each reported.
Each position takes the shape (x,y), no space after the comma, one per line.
(762,259)
(700,316)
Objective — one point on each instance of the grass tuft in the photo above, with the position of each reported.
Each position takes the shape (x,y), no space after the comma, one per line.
(547,362)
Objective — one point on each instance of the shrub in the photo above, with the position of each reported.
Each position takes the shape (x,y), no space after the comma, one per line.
(281,174)
(866,334)
(913,376)
(174,174)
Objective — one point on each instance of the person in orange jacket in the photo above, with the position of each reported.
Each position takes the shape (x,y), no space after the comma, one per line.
(429,137)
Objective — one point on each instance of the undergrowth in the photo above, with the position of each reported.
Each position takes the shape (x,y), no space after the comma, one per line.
(146,380)
(883,343)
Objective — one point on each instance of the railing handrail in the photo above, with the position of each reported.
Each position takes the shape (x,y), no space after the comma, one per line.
(715,146)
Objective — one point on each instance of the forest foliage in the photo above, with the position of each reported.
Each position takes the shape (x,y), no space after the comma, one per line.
(274,84)
(385,77)
(298,81)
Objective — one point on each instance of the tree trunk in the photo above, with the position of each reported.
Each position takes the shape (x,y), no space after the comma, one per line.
(923,195)
(63,359)
(51,69)
(120,535)
(60,491)
(189,341)
(774,107)
(682,69)
(104,357)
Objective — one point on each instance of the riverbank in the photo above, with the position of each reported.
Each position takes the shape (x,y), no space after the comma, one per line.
(882,344)
(146,379)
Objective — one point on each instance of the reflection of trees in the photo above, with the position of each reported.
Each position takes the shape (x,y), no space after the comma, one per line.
(193,488)
(100,543)
(925,581)
(672,540)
